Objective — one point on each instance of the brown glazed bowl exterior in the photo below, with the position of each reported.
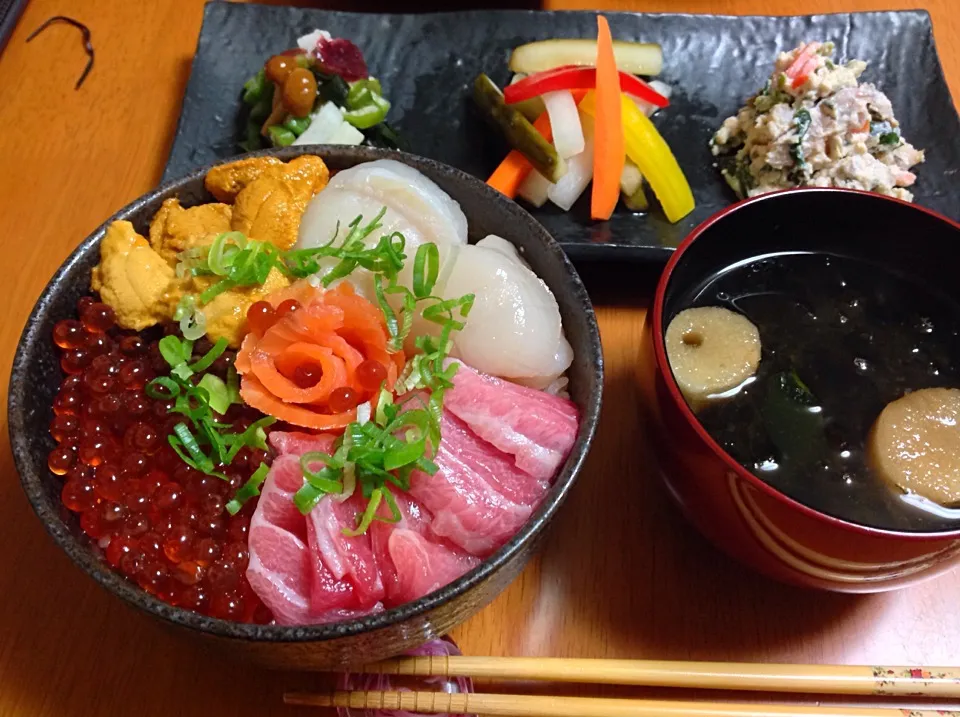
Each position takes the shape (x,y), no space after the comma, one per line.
(36,377)
(737,511)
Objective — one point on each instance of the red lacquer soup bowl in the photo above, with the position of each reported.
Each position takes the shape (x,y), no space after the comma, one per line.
(735,509)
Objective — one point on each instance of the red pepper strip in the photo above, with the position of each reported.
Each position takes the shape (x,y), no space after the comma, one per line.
(571,77)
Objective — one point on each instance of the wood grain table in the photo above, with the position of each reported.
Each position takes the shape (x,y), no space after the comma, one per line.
(621,575)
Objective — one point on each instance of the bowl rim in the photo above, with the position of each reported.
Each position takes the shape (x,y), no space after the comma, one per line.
(91,564)
(663,365)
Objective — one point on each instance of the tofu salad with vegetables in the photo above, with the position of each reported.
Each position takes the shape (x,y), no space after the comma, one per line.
(814,124)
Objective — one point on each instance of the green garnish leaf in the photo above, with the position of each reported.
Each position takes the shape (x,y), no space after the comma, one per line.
(181,371)
(793,419)
(218,396)
(175,351)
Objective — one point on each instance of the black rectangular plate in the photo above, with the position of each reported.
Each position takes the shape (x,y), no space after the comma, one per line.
(427,63)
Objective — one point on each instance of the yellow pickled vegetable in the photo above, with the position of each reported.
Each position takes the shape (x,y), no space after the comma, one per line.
(648,150)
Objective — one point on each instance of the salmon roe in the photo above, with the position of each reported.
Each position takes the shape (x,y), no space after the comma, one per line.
(159,522)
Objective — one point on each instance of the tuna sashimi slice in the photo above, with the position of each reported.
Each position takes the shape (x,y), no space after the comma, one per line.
(538,429)
(278,572)
(418,562)
(326,591)
(276,505)
(346,557)
(422,566)
(279,568)
(466,508)
(495,467)
(297,443)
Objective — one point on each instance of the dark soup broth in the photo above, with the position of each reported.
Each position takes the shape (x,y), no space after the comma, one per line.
(841,338)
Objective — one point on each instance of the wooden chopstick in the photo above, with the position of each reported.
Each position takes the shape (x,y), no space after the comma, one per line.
(542,706)
(821,679)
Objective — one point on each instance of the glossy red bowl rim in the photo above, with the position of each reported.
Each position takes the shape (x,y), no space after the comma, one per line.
(663,366)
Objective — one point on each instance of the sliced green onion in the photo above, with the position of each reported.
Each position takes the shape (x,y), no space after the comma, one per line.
(393,327)
(171,388)
(375,497)
(212,292)
(185,307)
(206,361)
(395,515)
(189,442)
(405,454)
(216,442)
(311,457)
(307,497)
(253,437)
(195,326)
(224,250)
(349,480)
(248,490)
(233,385)
(426,268)
(384,400)
(324,479)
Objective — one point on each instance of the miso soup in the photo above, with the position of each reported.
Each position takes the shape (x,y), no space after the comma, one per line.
(840,339)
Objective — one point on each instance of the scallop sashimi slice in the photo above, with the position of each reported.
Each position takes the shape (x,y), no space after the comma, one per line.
(405,189)
(415,207)
(514,329)
(536,428)
(915,444)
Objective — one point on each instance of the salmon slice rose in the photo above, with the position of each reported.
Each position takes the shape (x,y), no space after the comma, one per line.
(327,338)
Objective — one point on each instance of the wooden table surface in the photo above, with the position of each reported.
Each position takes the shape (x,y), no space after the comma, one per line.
(621,575)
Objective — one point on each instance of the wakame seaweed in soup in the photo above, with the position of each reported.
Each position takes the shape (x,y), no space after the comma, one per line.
(841,338)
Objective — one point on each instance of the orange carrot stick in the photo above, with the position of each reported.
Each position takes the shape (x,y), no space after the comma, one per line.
(608,152)
(508,177)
